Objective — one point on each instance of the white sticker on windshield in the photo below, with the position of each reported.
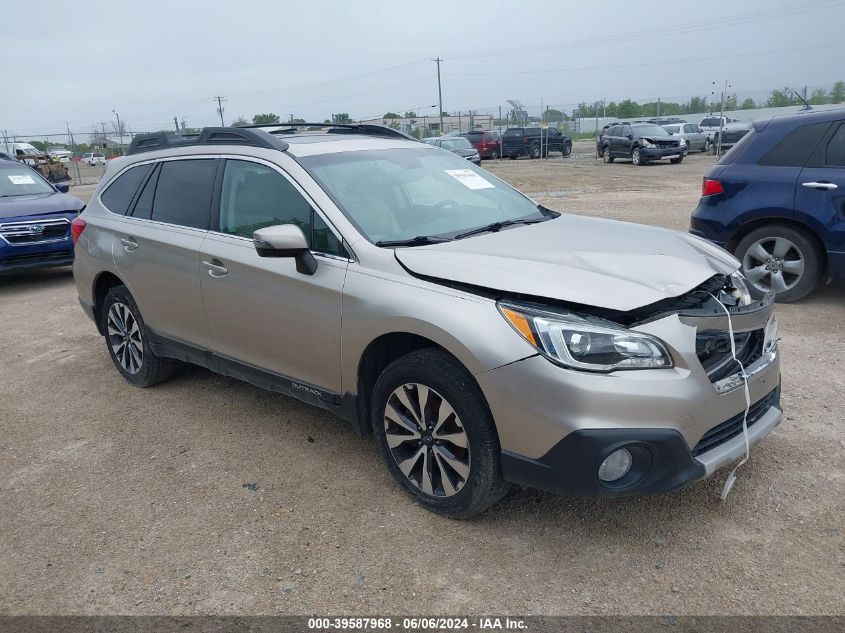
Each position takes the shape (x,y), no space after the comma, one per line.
(22,180)
(470,179)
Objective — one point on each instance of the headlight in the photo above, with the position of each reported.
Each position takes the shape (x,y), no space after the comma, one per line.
(586,344)
(682,142)
(647,143)
(740,288)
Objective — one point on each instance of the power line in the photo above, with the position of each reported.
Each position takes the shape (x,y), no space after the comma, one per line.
(690,27)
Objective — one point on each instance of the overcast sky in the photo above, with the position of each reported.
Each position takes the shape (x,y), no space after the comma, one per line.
(153,60)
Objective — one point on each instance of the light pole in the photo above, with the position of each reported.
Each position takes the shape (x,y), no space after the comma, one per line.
(721,116)
(119,130)
(439,93)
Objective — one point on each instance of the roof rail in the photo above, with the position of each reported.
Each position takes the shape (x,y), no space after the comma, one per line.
(207,136)
(366,129)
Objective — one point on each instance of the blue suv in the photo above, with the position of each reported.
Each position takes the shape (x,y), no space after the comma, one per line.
(777,201)
(35,219)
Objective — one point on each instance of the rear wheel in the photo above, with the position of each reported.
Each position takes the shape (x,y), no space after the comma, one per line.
(782,259)
(534,151)
(128,341)
(606,155)
(436,434)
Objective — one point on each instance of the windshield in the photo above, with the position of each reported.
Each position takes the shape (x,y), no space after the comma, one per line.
(22,181)
(455,143)
(649,130)
(672,129)
(399,194)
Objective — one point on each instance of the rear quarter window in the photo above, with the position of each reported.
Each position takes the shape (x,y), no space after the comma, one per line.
(736,151)
(119,194)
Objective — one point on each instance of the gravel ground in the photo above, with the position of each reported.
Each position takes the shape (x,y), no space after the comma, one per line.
(207,495)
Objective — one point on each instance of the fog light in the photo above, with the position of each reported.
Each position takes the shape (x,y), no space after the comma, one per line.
(616,465)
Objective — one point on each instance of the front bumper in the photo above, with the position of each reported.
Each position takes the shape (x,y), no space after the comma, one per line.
(657,153)
(556,425)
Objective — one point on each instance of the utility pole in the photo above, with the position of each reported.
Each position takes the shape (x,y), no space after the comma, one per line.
(220,101)
(439,93)
(176,123)
(119,130)
(658,110)
(721,117)
(103,125)
(73,149)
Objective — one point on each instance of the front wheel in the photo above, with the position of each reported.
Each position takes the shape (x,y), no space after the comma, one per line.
(436,434)
(567,149)
(128,341)
(636,157)
(780,259)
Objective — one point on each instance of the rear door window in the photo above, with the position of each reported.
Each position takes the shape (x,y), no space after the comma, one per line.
(794,149)
(835,154)
(183,192)
(119,194)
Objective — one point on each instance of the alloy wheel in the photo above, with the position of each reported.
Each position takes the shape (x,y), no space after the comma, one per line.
(125,339)
(427,440)
(635,156)
(773,263)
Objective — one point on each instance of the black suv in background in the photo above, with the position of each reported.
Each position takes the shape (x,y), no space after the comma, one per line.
(526,141)
(641,142)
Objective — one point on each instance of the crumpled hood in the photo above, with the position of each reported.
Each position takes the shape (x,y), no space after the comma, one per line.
(39,204)
(591,261)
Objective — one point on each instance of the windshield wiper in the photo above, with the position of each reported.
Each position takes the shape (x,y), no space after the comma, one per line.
(496,226)
(419,240)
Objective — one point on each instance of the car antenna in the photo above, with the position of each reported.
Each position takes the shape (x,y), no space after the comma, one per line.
(807,106)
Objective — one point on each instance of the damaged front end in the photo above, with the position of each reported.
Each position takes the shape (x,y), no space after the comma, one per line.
(679,417)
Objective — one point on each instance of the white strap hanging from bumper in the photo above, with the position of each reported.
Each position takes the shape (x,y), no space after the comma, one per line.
(731,480)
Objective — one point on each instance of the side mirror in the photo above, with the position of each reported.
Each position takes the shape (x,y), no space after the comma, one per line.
(285,240)
(629,136)
(62,187)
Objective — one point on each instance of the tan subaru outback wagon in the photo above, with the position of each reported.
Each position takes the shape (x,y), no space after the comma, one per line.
(480,337)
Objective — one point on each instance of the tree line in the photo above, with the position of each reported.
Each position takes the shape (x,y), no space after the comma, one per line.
(777,98)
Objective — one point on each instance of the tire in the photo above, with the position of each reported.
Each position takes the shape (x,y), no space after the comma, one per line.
(534,151)
(676,161)
(607,157)
(782,258)
(138,365)
(567,149)
(495,155)
(476,483)
(636,157)
(706,147)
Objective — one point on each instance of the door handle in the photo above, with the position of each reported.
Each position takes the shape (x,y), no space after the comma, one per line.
(216,268)
(824,186)
(129,244)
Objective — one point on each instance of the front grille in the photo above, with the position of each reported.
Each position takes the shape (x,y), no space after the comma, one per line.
(35,231)
(667,143)
(714,351)
(44,258)
(726,431)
